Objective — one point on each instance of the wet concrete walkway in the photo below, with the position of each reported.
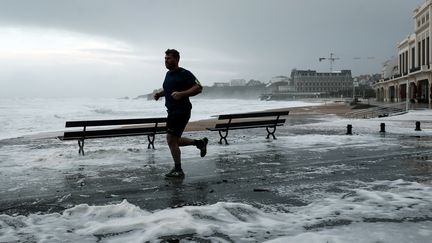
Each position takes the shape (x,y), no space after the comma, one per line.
(47,175)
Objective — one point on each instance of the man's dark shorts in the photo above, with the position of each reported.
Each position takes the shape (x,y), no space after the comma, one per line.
(177,121)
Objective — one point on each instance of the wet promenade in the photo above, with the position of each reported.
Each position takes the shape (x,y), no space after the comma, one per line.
(308,161)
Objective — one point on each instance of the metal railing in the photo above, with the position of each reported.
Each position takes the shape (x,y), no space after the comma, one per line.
(379,111)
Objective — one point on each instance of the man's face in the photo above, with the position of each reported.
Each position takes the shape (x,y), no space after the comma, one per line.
(170,62)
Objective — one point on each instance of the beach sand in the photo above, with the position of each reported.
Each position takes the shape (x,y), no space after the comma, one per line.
(338,109)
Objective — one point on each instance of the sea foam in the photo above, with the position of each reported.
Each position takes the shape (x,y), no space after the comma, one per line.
(381,211)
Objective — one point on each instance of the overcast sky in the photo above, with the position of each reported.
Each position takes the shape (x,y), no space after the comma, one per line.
(115,48)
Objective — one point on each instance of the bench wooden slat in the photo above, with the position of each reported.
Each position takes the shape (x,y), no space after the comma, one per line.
(248,124)
(153,126)
(270,120)
(252,115)
(115,122)
(242,127)
(74,135)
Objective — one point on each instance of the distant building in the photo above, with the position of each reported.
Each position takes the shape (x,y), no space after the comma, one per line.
(253,82)
(279,79)
(280,84)
(409,76)
(310,81)
(238,82)
(221,84)
(309,84)
(279,87)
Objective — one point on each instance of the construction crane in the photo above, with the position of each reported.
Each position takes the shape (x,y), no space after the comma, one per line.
(331,59)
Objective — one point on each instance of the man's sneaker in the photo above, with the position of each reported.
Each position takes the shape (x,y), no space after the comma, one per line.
(175,174)
(203,147)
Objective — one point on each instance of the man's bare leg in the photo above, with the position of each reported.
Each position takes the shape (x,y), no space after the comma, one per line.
(173,144)
(201,144)
(186,142)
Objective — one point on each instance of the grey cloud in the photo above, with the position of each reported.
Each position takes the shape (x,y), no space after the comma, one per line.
(262,38)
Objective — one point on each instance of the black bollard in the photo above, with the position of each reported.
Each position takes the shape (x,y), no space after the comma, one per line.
(382,127)
(418,126)
(349,129)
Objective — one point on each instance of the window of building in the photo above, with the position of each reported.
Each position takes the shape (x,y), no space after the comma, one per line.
(418,23)
(427,50)
(418,54)
(423,51)
(427,16)
(423,20)
(406,61)
(401,60)
(413,57)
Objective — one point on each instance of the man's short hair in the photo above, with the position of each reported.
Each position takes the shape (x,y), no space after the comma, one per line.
(174,53)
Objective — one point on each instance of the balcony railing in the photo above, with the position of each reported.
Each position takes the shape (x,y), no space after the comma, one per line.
(414,69)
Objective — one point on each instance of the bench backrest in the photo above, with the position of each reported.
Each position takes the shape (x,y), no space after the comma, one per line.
(253,115)
(260,123)
(112,133)
(115,122)
(122,131)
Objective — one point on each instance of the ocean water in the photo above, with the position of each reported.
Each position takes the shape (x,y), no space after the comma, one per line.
(26,116)
(365,188)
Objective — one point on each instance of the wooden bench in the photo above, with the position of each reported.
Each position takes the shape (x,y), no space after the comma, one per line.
(152,127)
(249,120)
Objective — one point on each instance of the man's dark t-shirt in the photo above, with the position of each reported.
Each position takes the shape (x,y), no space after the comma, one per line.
(178,80)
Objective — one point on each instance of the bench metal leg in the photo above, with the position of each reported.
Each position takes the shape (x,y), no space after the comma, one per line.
(151,139)
(81,146)
(271,133)
(223,137)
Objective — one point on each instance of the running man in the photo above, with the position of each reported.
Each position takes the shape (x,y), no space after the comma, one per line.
(178,86)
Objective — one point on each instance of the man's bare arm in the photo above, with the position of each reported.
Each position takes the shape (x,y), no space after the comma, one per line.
(194,90)
(159,94)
